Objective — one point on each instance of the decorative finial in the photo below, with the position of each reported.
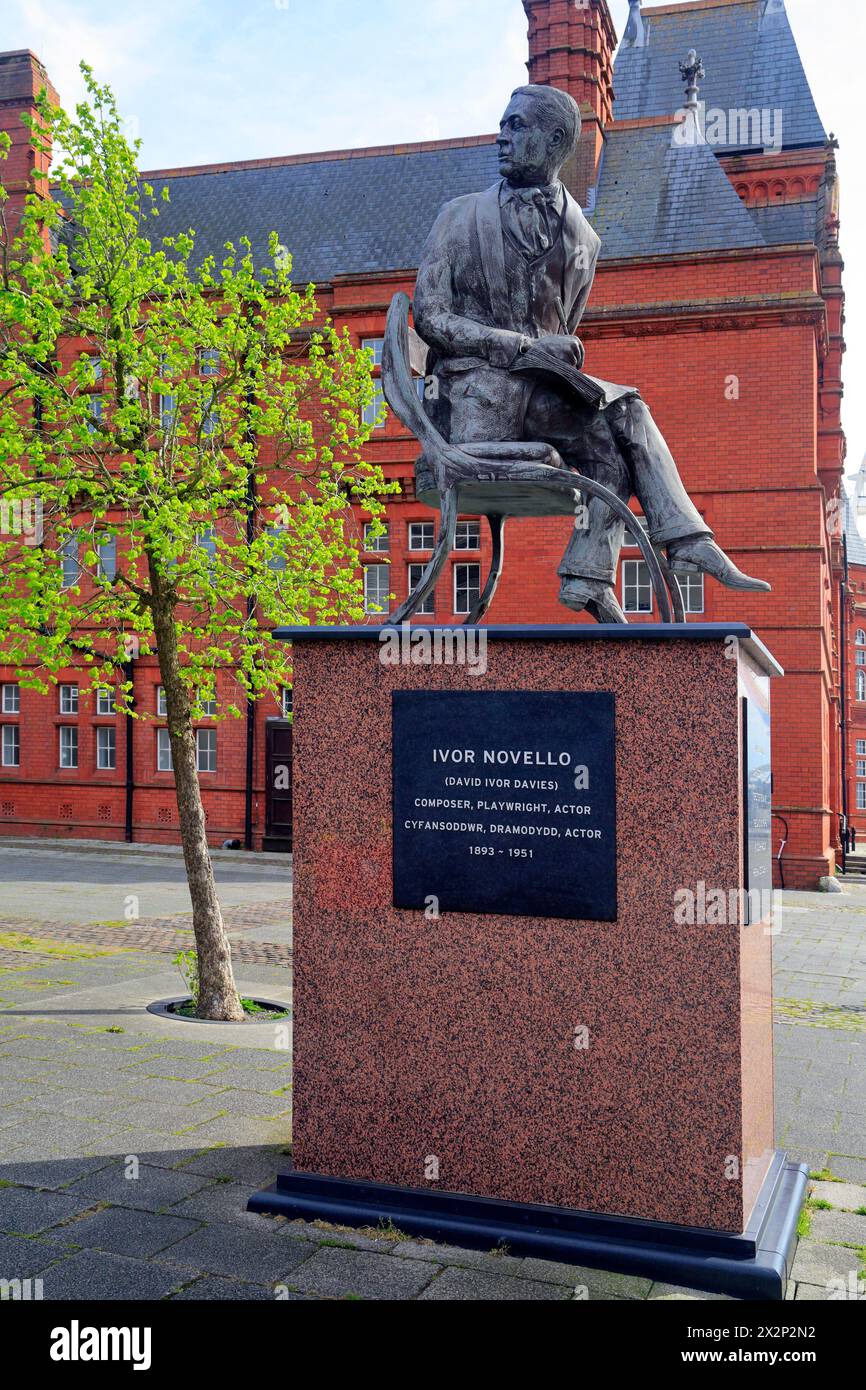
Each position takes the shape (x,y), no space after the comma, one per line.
(636,31)
(693,72)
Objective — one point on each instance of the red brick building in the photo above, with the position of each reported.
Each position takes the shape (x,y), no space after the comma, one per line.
(718,292)
(852,640)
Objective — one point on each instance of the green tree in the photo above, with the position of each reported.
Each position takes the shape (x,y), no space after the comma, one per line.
(142,388)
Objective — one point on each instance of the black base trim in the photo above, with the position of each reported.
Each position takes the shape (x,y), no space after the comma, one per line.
(754,1265)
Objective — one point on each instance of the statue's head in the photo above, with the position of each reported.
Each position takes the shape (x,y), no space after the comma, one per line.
(538,132)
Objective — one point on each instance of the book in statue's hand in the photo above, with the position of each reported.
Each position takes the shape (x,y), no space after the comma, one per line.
(545,364)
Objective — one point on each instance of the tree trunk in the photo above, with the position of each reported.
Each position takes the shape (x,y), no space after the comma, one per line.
(218,996)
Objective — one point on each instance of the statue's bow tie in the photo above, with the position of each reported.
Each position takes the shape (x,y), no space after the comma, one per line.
(548,195)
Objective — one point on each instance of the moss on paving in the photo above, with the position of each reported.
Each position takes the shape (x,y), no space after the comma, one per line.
(44,946)
(843,1017)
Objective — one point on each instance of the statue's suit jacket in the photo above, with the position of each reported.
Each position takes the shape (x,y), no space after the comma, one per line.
(465,313)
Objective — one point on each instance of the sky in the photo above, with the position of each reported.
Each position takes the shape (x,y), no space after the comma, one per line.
(206,81)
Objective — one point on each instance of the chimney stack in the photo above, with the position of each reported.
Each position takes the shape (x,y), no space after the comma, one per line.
(22,77)
(571,46)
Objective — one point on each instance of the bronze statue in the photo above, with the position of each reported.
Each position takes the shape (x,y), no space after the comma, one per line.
(502,286)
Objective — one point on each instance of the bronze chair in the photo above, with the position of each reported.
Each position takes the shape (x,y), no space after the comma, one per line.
(495,480)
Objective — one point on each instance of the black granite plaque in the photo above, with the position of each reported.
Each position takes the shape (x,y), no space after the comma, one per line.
(505,803)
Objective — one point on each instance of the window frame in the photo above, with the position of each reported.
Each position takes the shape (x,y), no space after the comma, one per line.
(686,581)
(10,733)
(163,745)
(466,525)
(421,549)
(70,562)
(106,541)
(469,588)
(377,545)
(13,688)
(642,581)
(372,414)
(428,607)
(68,734)
(376,348)
(382,609)
(208,739)
(106,738)
(71,694)
(628,542)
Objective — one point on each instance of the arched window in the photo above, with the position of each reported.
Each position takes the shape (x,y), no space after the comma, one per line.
(860,639)
(861,686)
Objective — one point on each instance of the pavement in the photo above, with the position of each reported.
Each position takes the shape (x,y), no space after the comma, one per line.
(129,1144)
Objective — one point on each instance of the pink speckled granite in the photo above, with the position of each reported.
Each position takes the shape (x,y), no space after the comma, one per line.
(453,1039)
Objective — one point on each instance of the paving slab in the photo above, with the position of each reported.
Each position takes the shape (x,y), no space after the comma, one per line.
(846,1196)
(22,1258)
(138,1186)
(26,1212)
(259,1256)
(121,1231)
(451,1254)
(93,1274)
(673,1293)
(475,1285)
(842,1227)
(847,1167)
(818,1263)
(213,1289)
(225,1202)
(601,1283)
(343,1273)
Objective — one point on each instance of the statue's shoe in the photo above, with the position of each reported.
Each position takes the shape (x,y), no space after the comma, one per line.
(702,553)
(595,596)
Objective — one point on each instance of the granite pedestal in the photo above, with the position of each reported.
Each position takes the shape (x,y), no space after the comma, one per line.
(597,1089)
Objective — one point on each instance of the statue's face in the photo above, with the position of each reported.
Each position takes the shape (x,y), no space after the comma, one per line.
(529,152)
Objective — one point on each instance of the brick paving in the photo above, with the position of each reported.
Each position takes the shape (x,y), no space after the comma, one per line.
(170,934)
(127,1158)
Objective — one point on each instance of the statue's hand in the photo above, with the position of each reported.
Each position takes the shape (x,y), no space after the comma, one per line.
(568,349)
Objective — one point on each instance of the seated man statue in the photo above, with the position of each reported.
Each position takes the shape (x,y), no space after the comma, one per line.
(509,271)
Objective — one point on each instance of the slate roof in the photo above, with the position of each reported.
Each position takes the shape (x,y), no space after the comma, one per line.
(788,222)
(372,212)
(337,216)
(751,60)
(656,198)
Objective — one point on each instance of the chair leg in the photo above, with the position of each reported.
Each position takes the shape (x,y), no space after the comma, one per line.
(673,586)
(444,546)
(497,535)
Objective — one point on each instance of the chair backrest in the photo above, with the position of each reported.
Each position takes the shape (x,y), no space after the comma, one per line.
(401,393)
(398,383)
